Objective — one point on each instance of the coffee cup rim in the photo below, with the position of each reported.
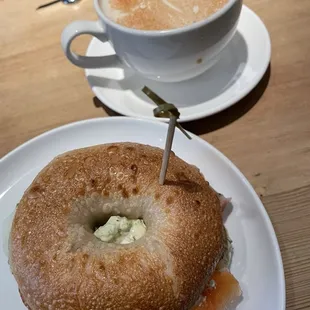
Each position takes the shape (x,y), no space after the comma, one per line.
(163,33)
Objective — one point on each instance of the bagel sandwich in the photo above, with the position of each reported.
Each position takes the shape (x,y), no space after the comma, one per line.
(95,230)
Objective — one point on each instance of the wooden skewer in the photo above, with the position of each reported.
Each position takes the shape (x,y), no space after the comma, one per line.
(165,109)
(167,151)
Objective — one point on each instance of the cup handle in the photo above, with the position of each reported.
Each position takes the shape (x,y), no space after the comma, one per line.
(95,29)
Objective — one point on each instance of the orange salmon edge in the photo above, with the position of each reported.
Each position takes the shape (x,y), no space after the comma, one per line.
(226,290)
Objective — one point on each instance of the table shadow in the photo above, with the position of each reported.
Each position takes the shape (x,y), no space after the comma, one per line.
(233,113)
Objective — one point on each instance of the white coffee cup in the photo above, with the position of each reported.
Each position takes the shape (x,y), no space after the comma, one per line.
(168,56)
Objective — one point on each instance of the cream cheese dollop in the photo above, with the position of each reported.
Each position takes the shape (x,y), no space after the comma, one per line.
(121,230)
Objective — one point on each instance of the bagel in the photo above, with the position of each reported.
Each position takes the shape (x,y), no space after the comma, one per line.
(59,263)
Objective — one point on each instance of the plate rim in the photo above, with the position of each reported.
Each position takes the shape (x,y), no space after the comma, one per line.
(266,218)
(234,99)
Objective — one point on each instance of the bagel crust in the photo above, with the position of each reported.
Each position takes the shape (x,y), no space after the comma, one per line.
(57,261)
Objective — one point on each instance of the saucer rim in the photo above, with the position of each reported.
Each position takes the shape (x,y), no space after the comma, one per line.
(196,116)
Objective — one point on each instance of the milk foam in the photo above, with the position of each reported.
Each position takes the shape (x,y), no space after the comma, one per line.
(159,14)
(113,14)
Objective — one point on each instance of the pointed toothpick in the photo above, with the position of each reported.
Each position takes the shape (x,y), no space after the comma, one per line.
(165,109)
(167,151)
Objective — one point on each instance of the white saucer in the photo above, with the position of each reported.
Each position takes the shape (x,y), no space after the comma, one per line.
(256,261)
(239,69)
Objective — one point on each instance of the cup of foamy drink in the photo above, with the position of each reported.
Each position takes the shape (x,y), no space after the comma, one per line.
(165,40)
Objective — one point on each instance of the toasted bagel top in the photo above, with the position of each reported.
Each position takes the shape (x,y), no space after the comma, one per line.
(59,263)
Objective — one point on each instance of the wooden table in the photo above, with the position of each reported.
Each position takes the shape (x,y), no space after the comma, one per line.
(267,134)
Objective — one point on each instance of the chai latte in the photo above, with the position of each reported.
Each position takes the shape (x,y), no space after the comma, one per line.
(159,14)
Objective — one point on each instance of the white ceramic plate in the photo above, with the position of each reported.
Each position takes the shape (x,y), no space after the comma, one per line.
(240,67)
(256,262)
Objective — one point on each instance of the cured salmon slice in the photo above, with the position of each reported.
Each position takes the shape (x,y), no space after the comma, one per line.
(222,294)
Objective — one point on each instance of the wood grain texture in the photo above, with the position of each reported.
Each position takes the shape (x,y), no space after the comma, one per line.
(267,134)
(290,213)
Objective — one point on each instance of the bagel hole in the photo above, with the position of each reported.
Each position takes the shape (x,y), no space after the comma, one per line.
(98,222)
(90,213)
